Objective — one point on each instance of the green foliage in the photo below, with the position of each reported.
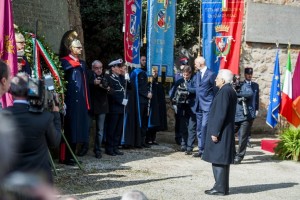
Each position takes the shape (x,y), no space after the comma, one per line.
(102,23)
(29,55)
(289,145)
(187,22)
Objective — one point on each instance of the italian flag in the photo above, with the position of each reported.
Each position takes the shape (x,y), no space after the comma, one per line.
(286,94)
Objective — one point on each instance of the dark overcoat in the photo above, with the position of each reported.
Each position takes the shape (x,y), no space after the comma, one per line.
(77,100)
(99,99)
(221,125)
(36,132)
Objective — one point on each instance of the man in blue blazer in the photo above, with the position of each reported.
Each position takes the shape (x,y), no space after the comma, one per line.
(204,89)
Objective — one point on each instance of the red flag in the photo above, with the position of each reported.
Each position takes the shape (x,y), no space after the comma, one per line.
(296,94)
(8,51)
(232,24)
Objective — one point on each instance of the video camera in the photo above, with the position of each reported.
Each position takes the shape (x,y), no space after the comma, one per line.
(41,94)
(181,94)
(236,84)
(103,81)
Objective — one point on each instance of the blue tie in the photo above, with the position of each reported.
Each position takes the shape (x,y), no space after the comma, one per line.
(200,74)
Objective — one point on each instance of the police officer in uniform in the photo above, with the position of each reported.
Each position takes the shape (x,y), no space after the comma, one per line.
(245,113)
(117,102)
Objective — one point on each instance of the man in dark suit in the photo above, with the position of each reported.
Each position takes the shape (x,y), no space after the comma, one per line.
(255,100)
(34,138)
(220,141)
(183,96)
(205,83)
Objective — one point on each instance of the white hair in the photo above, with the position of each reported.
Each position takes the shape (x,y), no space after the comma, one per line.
(96,62)
(226,75)
(134,195)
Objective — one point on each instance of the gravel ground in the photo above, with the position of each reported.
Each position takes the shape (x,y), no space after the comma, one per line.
(163,172)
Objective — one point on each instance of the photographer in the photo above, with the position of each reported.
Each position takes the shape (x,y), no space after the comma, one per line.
(36,131)
(245,113)
(183,101)
(99,103)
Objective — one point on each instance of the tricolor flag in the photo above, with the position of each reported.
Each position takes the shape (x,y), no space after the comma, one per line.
(286,95)
(132,41)
(8,51)
(222,32)
(275,97)
(296,94)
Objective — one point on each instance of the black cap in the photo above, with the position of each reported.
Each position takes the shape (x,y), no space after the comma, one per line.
(248,70)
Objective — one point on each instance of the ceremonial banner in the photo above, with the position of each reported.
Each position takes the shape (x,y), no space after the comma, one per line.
(160,37)
(275,97)
(132,41)
(286,95)
(296,94)
(222,31)
(8,51)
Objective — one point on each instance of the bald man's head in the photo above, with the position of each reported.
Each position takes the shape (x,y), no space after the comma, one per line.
(199,62)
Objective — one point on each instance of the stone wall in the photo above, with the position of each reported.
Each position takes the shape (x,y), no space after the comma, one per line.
(262,57)
(52,16)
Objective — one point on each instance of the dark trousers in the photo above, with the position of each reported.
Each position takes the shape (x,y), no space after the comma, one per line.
(178,136)
(144,121)
(151,135)
(243,129)
(221,175)
(187,127)
(202,120)
(114,131)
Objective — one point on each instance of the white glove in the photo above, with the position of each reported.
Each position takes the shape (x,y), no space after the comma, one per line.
(64,109)
(127,78)
(124,102)
(256,113)
(175,108)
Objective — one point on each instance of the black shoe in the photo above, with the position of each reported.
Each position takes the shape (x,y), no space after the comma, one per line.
(117,152)
(249,145)
(82,152)
(215,192)
(146,145)
(237,160)
(183,149)
(110,153)
(197,155)
(71,162)
(154,143)
(98,155)
(188,152)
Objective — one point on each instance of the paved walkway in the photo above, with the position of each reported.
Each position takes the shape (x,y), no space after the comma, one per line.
(163,173)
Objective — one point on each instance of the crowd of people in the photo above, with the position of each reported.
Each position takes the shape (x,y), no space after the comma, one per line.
(129,108)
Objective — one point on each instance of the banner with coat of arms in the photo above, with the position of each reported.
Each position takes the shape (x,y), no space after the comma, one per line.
(160,37)
(8,50)
(132,40)
(222,31)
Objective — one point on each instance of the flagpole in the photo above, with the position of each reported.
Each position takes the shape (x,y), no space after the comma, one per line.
(200,27)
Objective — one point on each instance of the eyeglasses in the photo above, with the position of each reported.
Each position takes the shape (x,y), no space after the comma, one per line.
(21,42)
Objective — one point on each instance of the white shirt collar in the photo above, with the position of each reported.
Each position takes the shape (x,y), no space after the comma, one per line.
(21,101)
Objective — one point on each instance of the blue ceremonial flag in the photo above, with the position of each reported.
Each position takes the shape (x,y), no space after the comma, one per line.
(275,96)
(160,37)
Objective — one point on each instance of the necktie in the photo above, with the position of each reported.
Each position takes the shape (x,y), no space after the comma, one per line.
(200,76)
